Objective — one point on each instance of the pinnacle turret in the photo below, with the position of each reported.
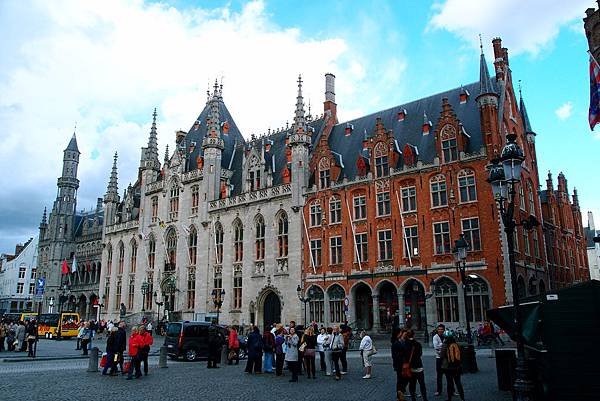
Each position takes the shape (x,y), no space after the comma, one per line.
(44,218)
(150,153)
(299,119)
(524,116)
(112,191)
(72,146)
(485,86)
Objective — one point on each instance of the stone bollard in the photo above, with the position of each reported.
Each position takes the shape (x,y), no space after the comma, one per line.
(162,358)
(93,360)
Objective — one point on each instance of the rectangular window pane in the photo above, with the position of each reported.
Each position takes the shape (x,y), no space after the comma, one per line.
(409,199)
(383,204)
(441,233)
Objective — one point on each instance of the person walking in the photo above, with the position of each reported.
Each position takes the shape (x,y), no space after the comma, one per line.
(321,349)
(451,365)
(327,351)
(121,337)
(308,345)
(279,354)
(79,332)
(415,350)
(337,348)
(31,333)
(146,341)
(20,336)
(268,349)
(291,355)
(112,353)
(438,341)
(234,347)
(399,358)
(367,350)
(135,343)
(346,334)
(215,344)
(254,346)
(86,336)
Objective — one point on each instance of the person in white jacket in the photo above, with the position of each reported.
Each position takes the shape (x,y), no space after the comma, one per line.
(366,350)
(438,341)
(321,338)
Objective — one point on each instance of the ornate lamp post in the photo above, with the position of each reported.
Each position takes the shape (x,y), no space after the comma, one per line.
(145,286)
(51,305)
(504,175)
(304,299)
(159,304)
(217,297)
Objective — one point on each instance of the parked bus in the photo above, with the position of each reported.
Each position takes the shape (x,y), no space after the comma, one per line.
(59,325)
(19,316)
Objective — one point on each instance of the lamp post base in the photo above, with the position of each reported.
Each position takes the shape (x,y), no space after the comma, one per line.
(523,387)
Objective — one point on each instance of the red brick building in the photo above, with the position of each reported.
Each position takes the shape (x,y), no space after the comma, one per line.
(566,246)
(390,192)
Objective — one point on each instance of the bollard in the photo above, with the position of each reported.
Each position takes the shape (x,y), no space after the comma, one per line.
(162,358)
(93,360)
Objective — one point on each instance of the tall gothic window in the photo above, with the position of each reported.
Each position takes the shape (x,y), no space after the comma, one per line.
(254,176)
(530,194)
(148,301)
(193,245)
(151,252)
(282,235)
(219,244)
(449,145)
(174,201)
(118,294)
(478,300)
(195,199)
(382,168)
(191,288)
(121,262)
(171,249)
(466,186)
(316,306)
(260,238)
(439,196)
(324,176)
(238,241)
(154,209)
(237,291)
(336,304)
(446,298)
(134,250)
(109,256)
(131,294)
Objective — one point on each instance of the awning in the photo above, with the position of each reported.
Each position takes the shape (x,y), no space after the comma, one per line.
(530,313)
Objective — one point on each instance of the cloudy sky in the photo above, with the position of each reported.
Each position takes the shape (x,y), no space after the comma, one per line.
(105,65)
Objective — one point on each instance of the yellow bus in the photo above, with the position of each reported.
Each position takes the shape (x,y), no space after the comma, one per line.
(58,325)
(19,316)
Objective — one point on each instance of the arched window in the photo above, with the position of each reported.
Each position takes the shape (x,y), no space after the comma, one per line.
(151,251)
(191,288)
(531,197)
(446,298)
(324,175)
(466,186)
(449,145)
(382,168)
(193,245)
(259,226)
(133,260)
(109,256)
(478,300)
(131,293)
(521,197)
(316,304)
(532,287)
(195,199)
(118,294)
(336,303)
(171,250)
(282,235)
(121,262)
(315,214)
(174,201)
(154,209)
(439,196)
(335,210)
(219,244)
(521,286)
(238,241)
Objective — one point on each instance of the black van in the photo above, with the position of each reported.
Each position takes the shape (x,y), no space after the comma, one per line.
(190,339)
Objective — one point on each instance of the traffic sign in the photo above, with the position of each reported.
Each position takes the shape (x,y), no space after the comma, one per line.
(40,286)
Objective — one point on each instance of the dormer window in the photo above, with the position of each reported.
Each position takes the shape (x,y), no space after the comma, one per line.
(349,128)
(382,168)
(324,173)
(449,144)
(254,175)
(401,114)
(464,95)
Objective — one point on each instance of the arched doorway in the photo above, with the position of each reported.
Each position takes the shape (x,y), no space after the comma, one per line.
(414,305)
(388,305)
(271,310)
(81,307)
(364,306)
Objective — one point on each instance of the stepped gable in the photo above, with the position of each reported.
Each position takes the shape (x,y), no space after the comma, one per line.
(198,132)
(410,130)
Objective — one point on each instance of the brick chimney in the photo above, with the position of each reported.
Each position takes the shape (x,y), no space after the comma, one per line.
(329,106)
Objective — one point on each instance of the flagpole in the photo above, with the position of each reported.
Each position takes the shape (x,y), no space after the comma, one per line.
(593,58)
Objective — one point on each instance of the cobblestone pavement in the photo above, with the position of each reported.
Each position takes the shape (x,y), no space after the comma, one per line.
(68,380)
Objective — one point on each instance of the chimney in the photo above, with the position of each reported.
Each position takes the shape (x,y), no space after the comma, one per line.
(591,224)
(18,249)
(329,106)
(98,204)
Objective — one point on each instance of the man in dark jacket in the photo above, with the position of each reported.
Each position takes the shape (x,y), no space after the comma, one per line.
(121,343)
(254,345)
(399,357)
(215,343)
(414,350)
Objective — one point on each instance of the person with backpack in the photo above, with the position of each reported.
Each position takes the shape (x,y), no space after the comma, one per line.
(417,373)
(451,365)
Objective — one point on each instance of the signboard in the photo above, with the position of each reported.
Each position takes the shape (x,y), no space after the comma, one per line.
(40,286)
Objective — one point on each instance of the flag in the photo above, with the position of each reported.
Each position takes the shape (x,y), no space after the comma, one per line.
(64,267)
(594,114)
(74,265)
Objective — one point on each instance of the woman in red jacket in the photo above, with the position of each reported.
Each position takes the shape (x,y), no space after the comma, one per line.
(135,344)
(234,347)
(147,340)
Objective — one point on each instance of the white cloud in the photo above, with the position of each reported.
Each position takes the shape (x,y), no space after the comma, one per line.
(564,111)
(524,26)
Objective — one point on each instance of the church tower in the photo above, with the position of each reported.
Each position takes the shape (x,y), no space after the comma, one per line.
(300,141)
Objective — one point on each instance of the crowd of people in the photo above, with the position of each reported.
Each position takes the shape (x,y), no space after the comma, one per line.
(137,346)
(18,336)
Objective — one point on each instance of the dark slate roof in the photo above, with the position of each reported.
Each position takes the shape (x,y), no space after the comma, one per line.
(197,135)
(409,131)
(544,196)
(72,146)
(524,116)
(80,217)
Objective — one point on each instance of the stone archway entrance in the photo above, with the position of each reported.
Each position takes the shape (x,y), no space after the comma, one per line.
(364,306)
(388,305)
(414,305)
(271,310)
(82,307)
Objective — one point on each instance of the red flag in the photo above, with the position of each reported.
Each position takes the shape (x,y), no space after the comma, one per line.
(65,267)
(594,113)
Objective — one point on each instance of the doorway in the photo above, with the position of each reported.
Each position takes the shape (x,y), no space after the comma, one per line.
(364,306)
(414,305)
(388,305)
(271,310)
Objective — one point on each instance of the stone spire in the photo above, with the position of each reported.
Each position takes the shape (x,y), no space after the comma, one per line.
(575,198)
(485,87)
(523,111)
(72,146)
(150,153)
(44,217)
(43,226)
(214,127)
(299,119)
(112,191)
(167,153)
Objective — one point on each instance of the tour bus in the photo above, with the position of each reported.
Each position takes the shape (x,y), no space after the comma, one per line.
(19,316)
(59,325)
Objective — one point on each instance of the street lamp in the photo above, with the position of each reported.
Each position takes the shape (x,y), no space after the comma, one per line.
(505,173)
(304,299)
(159,304)
(460,259)
(145,286)
(217,296)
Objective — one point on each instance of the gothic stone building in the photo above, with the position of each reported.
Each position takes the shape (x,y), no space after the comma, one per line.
(68,235)
(389,193)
